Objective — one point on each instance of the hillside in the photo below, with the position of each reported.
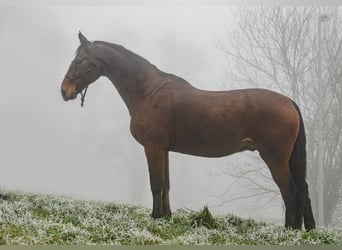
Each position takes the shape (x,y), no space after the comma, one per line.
(40,219)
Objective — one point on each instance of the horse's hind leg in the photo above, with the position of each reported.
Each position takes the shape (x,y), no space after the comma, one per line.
(281,175)
(288,190)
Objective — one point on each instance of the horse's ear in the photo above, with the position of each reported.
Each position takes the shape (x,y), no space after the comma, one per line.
(82,38)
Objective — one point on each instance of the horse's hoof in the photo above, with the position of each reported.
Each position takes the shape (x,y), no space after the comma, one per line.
(156,215)
(310,227)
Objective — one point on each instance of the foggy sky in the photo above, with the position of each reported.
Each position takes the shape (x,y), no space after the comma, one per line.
(56,147)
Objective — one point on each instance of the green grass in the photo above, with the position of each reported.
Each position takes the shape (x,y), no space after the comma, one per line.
(28,219)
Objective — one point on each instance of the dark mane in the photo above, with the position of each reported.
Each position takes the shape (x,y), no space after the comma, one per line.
(123,50)
(139,60)
(129,54)
(78,50)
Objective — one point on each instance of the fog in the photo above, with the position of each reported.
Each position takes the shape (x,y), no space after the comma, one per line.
(54,147)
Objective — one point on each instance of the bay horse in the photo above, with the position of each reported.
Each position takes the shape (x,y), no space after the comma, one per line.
(169,114)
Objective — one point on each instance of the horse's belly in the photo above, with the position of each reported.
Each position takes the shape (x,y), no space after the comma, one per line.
(209,148)
(203,153)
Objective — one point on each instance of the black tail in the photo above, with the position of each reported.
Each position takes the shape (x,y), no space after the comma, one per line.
(298,171)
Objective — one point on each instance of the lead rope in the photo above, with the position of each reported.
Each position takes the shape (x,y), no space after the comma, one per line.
(83,94)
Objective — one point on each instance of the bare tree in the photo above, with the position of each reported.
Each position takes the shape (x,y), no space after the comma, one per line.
(276,48)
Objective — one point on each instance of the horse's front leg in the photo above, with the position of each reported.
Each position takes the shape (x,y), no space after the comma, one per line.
(156,156)
(166,188)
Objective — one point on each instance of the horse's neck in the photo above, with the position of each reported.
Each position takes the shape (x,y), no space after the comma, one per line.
(130,74)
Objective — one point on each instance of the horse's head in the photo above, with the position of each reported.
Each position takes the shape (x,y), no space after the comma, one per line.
(82,71)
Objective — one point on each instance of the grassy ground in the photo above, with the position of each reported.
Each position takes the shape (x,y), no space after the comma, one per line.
(37,219)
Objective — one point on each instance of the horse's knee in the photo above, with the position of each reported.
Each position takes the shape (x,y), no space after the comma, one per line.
(156,187)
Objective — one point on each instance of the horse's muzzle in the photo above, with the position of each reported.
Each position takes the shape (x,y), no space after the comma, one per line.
(64,95)
(68,91)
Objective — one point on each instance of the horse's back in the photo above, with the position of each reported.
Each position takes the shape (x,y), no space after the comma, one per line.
(218,123)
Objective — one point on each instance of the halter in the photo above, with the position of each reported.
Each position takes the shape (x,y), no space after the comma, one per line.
(84,91)
(83,94)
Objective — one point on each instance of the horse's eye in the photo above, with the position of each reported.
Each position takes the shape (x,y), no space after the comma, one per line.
(78,61)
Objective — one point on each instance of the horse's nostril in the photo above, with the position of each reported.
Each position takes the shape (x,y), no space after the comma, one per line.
(64,95)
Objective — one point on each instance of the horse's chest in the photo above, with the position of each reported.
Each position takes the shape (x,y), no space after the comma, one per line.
(145,130)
